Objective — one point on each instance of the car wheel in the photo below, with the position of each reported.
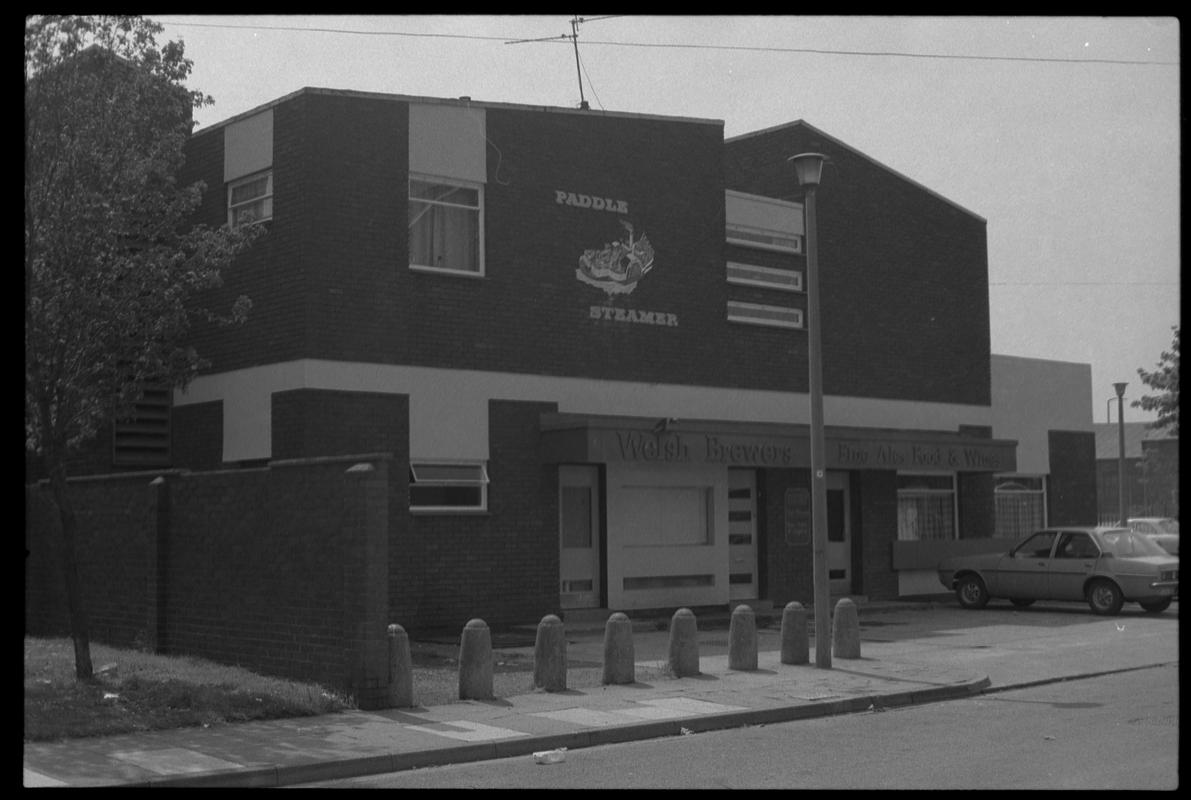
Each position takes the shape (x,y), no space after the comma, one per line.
(1157,606)
(970,592)
(1021,602)
(1105,598)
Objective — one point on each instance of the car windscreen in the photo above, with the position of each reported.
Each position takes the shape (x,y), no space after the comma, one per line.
(1129,544)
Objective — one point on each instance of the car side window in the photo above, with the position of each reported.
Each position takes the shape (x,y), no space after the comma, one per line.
(1077,545)
(1037,546)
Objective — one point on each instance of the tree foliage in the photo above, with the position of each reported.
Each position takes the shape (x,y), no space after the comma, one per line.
(1165,380)
(112,267)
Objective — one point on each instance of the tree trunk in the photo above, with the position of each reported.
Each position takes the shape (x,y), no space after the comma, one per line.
(70,570)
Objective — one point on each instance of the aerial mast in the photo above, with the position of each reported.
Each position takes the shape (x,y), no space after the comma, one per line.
(575,41)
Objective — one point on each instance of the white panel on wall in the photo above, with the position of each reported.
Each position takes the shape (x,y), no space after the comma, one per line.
(448,141)
(763,213)
(1032,396)
(248,146)
(449,408)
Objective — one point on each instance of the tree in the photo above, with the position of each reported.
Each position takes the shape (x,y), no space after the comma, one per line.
(114,275)
(1165,379)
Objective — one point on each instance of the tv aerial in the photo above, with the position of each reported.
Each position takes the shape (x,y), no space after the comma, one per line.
(574,37)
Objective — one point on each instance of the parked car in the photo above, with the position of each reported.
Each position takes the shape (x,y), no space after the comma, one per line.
(1106,567)
(1163,530)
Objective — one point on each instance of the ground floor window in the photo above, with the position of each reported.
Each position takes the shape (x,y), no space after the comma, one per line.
(925,508)
(445,487)
(1021,505)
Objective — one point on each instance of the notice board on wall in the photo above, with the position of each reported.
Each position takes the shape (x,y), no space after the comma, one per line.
(798,516)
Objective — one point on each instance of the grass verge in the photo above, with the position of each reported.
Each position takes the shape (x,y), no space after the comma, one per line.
(137,691)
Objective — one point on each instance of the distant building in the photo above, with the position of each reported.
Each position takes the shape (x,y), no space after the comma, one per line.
(1151,471)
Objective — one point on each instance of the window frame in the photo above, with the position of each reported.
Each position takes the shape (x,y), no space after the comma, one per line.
(741,273)
(763,239)
(439,180)
(266,198)
(765,315)
(480,481)
(1006,485)
(925,492)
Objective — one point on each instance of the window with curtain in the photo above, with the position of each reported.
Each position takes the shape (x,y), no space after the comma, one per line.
(445,226)
(250,200)
(926,508)
(1020,505)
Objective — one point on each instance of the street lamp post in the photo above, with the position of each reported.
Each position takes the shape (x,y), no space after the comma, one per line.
(1120,389)
(809,167)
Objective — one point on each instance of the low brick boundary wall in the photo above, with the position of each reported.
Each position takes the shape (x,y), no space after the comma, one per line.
(281,569)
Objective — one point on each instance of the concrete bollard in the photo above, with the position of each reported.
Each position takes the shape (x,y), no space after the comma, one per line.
(795,643)
(550,655)
(401,669)
(619,663)
(475,661)
(845,630)
(684,644)
(742,639)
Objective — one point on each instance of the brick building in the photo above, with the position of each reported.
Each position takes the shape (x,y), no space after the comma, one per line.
(579,336)
(1151,471)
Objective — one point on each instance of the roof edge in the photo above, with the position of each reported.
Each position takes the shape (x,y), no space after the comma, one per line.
(801,123)
(458,101)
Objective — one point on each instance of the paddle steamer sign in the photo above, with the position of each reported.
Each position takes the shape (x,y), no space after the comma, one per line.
(618,266)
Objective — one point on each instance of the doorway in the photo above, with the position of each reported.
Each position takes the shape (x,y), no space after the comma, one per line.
(579,536)
(742,534)
(839,534)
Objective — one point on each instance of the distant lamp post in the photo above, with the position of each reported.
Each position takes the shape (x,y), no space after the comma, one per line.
(809,167)
(1120,389)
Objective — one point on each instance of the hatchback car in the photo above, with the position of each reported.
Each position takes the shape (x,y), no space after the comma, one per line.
(1163,530)
(1106,567)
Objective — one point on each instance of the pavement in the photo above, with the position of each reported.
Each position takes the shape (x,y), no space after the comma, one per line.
(540,724)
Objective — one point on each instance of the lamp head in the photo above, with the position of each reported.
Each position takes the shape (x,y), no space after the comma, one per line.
(1120,387)
(809,167)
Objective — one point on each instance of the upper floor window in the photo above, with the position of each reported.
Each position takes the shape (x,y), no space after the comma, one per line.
(446,226)
(250,200)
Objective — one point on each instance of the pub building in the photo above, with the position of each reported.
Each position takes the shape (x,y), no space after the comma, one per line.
(580,336)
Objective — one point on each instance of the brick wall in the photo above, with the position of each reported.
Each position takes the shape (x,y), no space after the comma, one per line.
(196,436)
(977,505)
(115,552)
(903,273)
(1071,487)
(272,274)
(500,566)
(316,422)
(330,280)
(282,570)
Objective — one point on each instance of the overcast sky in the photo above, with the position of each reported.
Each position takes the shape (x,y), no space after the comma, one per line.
(1062,132)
